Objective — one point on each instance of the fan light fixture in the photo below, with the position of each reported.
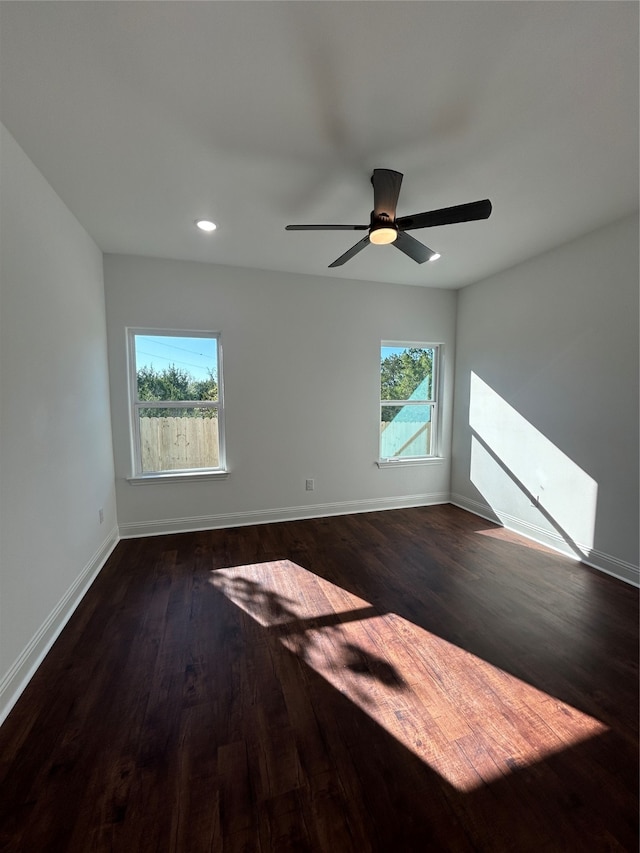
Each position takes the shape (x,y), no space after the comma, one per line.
(206,225)
(385,227)
(382,236)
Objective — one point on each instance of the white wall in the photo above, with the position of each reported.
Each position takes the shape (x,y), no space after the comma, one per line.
(301,369)
(56,461)
(546,398)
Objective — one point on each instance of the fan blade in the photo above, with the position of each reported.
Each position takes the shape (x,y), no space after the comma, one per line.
(359,246)
(447,216)
(326,227)
(386,189)
(412,247)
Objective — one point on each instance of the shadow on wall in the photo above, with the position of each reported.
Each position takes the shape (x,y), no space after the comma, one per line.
(520,472)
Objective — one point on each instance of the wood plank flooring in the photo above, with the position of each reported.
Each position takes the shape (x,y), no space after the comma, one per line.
(413,680)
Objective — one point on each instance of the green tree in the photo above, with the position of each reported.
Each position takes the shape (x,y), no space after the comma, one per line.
(172,383)
(204,389)
(402,373)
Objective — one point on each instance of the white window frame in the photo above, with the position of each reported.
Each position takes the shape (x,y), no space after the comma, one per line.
(135,404)
(433,403)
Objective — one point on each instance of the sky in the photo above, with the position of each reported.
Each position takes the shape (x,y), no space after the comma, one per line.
(387,350)
(194,355)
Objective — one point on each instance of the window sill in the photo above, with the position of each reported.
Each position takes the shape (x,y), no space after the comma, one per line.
(182,477)
(406,463)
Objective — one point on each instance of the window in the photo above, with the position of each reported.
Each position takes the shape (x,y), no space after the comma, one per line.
(176,402)
(408,401)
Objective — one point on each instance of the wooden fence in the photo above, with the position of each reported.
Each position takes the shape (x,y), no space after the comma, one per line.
(172,443)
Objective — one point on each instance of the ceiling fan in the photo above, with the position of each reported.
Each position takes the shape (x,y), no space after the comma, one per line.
(384,228)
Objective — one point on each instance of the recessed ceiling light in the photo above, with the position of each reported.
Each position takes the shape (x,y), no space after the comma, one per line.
(206,225)
(435,256)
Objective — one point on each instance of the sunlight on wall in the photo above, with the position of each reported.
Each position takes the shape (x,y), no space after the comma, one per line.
(513,463)
(459,714)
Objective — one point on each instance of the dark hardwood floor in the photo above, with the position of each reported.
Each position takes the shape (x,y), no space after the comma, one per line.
(413,680)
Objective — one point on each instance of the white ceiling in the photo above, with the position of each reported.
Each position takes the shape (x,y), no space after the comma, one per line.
(145,116)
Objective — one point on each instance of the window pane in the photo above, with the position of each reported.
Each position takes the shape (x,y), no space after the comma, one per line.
(178,439)
(176,368)
(406,373)
(405,431)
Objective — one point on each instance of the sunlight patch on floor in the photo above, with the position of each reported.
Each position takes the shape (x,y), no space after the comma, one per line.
(505,535)
(468,720)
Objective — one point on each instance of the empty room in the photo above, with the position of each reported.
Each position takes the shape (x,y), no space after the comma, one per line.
(319,418)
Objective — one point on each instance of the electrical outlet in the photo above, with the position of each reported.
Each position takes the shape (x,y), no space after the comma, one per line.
(310,485)
(101,515)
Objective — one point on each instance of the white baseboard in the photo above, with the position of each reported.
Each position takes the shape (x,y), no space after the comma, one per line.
(606,563)
(482,510)
(23,668)
(613,566)
(296,513)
